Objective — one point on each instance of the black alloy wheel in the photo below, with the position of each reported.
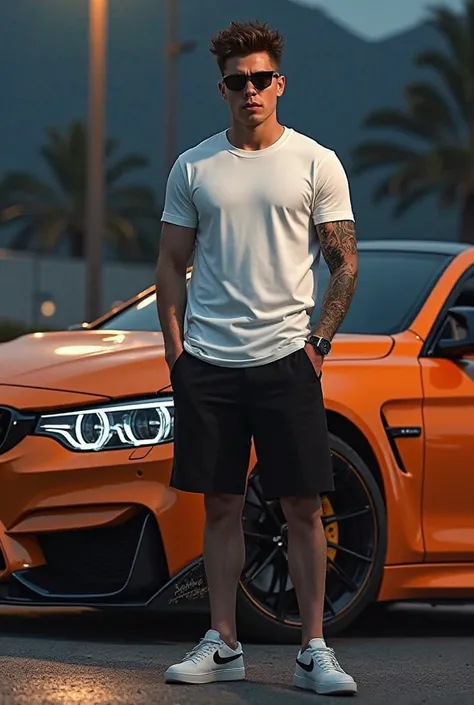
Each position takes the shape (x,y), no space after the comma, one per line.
(355,523)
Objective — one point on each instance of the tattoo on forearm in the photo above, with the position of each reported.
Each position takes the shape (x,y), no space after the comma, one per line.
(339,249)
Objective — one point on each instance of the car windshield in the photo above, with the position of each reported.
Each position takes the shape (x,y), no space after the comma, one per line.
(391,289)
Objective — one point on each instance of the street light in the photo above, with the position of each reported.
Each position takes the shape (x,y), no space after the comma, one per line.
(173,50)
(95,217)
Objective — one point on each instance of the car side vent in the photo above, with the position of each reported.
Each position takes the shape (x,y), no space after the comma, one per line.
(394,432)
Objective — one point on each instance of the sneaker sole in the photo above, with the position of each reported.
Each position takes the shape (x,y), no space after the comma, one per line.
(322,689)
(228,674)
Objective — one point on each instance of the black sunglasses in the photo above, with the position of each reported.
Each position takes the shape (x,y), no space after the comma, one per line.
(260,79)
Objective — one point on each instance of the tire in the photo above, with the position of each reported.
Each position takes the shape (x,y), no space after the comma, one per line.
(356,555)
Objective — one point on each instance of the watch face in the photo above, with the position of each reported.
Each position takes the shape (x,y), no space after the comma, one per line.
(324,346)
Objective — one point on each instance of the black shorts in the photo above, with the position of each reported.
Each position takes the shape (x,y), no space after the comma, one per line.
(219,410)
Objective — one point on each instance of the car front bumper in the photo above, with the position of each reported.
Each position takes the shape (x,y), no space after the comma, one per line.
(91,527)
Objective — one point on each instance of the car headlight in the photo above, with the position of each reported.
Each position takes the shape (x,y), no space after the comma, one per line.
(109,427)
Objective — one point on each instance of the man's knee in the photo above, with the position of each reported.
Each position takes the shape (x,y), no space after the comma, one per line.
(302,511)
(223,509)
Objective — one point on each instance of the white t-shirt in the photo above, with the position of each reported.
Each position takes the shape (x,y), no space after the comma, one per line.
(254,281)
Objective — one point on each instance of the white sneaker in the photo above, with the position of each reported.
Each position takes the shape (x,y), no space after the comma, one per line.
(210,661)
(317,669)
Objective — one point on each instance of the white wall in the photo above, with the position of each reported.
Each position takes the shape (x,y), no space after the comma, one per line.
(61,280)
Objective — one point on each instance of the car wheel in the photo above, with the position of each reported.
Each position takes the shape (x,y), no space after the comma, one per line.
(354,518)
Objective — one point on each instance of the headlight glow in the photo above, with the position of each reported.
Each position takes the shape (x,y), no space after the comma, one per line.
(127,425)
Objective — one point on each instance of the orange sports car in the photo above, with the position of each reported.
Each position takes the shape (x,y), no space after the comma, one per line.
(86,450)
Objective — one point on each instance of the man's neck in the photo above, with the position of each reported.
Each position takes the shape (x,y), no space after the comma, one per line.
(252,139)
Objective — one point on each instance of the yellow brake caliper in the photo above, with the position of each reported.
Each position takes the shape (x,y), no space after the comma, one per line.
(332,529)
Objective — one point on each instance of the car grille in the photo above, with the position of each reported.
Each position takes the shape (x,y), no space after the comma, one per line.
(5,421)
(92,558)
(98,561)
(14,427)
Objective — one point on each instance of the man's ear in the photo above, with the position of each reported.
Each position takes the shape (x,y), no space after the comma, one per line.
(281,82)
(221,88)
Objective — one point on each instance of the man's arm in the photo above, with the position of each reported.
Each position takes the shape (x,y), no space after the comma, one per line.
(176,247)
(339,249)
(178,235)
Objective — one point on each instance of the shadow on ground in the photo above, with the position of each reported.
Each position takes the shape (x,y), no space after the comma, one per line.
(396,622)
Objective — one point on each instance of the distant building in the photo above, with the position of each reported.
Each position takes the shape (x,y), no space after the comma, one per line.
(50,291)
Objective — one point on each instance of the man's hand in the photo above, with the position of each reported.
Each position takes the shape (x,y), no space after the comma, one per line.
(176,246)
(339,249)
(172,356)
(315,358)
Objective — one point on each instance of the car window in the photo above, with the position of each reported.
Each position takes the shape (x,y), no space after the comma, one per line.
(140,316)
(391,289)
(452,330)
(466,295)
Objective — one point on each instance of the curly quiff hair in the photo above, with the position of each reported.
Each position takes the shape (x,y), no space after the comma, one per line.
(245,38)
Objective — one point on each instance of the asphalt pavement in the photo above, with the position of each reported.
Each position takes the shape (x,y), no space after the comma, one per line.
(406,656)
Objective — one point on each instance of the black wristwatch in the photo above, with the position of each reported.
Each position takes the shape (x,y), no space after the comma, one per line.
(322,345)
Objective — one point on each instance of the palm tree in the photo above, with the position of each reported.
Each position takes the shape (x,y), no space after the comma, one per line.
(438,120)
(49,213)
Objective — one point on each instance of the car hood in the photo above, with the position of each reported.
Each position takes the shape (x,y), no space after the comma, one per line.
(109,363)
(361,347)
(120,364)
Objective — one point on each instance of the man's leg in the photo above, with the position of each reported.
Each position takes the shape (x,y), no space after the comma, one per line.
(316,665)
(292,444)
(212,453)
(224,555)
(307,558)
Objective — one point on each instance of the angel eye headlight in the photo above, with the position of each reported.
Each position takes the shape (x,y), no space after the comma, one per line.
(127,425)
(92,430)
(145,428)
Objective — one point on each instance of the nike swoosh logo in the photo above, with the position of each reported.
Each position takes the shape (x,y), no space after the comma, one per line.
(222,660)
(308,667)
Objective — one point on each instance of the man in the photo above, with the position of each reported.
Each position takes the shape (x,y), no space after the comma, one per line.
(257,204)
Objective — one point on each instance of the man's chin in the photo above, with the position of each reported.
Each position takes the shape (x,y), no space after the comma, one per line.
(252,120)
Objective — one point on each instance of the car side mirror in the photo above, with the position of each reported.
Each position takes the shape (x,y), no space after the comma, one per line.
(456,348)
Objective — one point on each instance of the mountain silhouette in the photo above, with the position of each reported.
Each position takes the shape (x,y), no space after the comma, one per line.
(334,78)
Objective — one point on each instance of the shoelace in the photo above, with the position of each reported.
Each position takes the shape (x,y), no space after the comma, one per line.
(326,659)
(201,650)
